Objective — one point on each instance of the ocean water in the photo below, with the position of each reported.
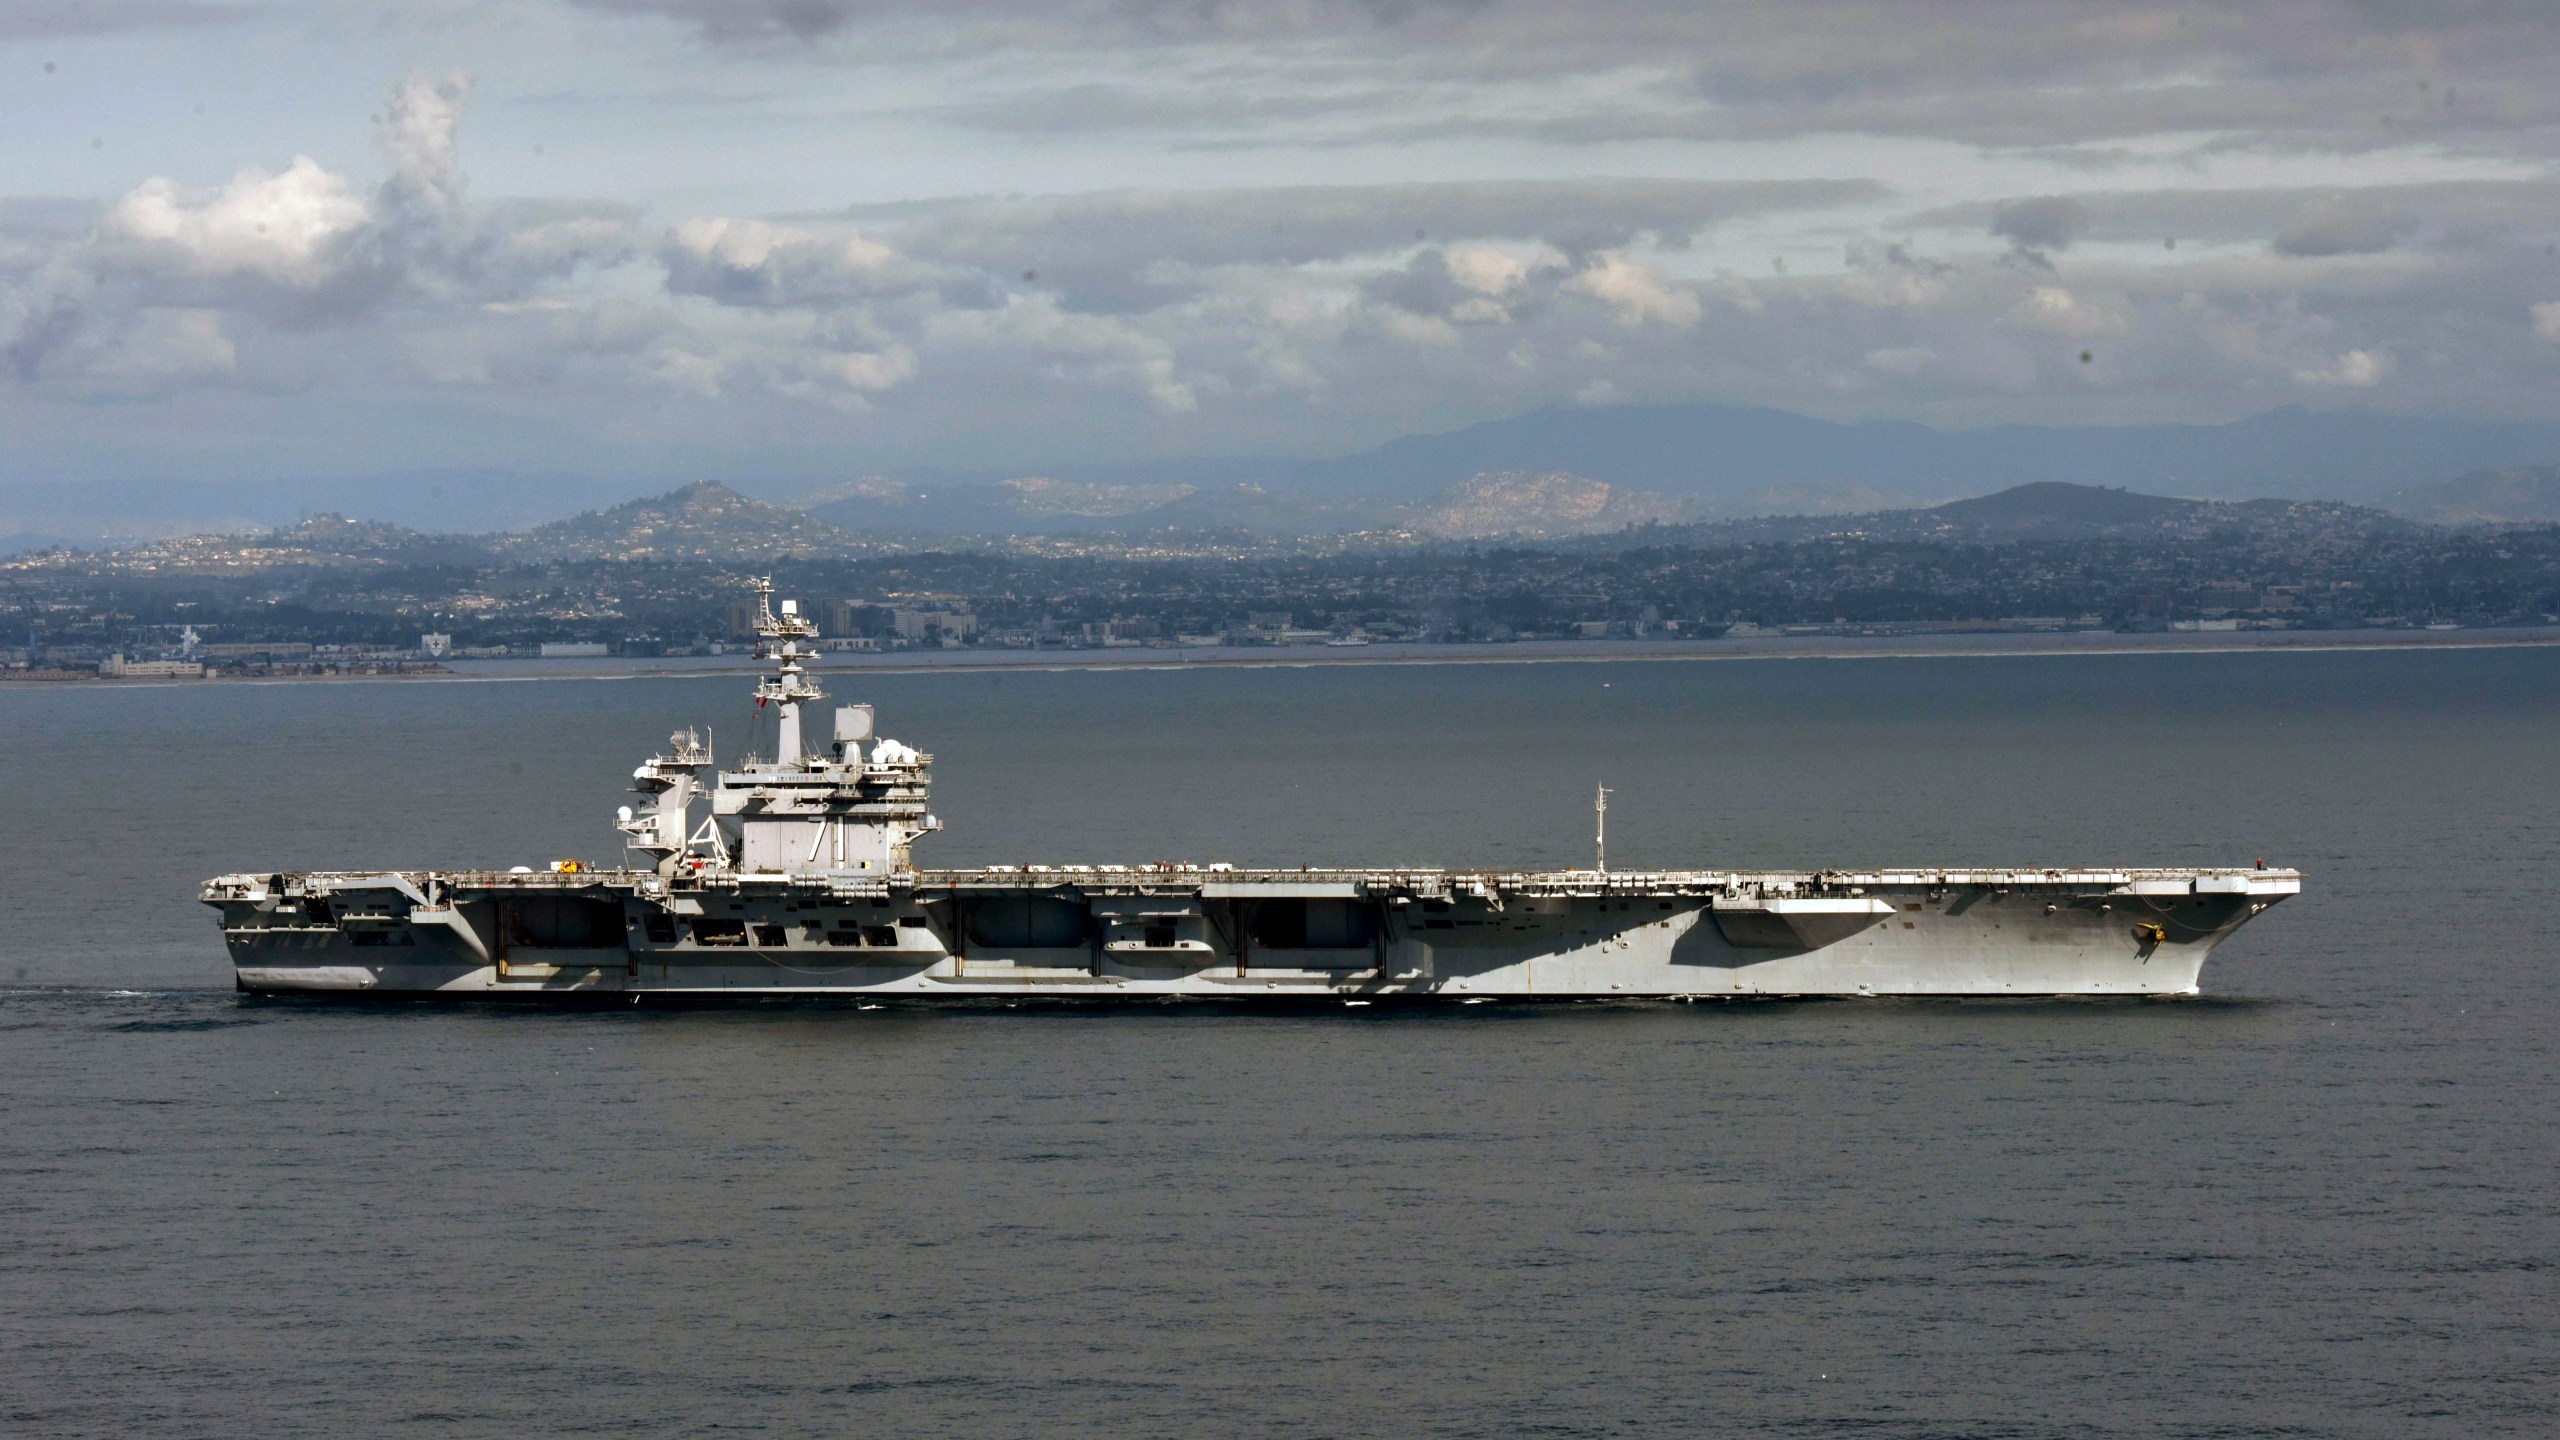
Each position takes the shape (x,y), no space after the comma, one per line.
(2318,1201)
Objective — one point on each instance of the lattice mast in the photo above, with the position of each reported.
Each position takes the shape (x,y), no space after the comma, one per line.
(778,637)
(1600,818)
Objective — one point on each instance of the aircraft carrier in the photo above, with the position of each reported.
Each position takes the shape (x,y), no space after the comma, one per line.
(794,876)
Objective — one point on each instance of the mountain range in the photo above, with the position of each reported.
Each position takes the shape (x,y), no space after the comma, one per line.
(2045,510)
(709,522)
(1739,460)
(705,521)
(1656,462)
(1530,505)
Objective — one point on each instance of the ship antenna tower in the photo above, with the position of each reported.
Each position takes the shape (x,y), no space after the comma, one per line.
(778,638)
(1600,814)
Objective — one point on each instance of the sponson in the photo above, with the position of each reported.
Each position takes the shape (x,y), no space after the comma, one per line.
(794,875)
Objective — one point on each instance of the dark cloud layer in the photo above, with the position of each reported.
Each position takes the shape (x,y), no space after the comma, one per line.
(2357,225)
(70,19)
(2308,221)
(2011,72)
(2040,223)
(1061,24)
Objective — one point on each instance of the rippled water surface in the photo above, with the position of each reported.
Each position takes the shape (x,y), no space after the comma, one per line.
(2319,1201)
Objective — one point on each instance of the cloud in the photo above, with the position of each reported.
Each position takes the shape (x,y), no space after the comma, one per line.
(1027,22)
(548,237)
(1466,285)
(182,284)
(1422,301)
(1197,316)
(291,228)
(748,19)
(2305,75)
(2045,222)
(417,131)
(872,369)
(1427,331)
(2055,309)
(1108,350)
(2259,215)
(752,262)
(732,355)
(1126,251)
(1488,271)
(1893,276)
(310,231)
(1635,294)
(161,346)
(1899,359)
(2354,370)
(2349,226)
(2037,228)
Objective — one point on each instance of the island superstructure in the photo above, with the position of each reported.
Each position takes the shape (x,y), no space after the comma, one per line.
(795,875)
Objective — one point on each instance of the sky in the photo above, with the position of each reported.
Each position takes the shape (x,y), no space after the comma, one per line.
(749,239)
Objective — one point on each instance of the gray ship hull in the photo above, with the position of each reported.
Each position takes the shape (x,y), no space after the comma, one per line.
(800,880)
(1220,933)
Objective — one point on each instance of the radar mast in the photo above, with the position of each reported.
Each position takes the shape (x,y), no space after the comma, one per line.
(778,637)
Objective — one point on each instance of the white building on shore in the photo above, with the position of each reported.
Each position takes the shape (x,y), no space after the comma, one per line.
(116,667)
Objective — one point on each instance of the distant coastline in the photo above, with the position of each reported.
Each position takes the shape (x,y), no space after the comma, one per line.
(1526,652)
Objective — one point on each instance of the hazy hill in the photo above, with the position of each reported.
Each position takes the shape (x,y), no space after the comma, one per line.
(1537,506)
(338,535)
(1737,460)
(2043,511)
(127,512)
(1554,511)
(2049,511)
(326,541)
(1024,505)
(1558,504)
(882,504)
(2518,495)
(1259,510)
(706,521)
(1041,505)
(1727,454)
(2050,508)
(2085,512)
